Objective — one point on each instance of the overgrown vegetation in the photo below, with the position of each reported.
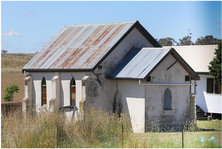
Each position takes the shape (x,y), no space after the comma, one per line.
(9,92)
(52,129)
(94,129)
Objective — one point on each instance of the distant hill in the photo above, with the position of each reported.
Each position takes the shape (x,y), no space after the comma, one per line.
(11,72)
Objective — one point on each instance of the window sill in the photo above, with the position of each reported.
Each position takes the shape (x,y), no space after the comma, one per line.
(69,108)
(44,107)
(167,109)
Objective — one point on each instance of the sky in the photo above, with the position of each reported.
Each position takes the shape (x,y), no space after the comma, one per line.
(26,26)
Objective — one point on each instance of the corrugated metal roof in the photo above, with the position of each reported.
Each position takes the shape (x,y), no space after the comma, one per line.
(213,103)
(138,63)
(78,46)
(197,56)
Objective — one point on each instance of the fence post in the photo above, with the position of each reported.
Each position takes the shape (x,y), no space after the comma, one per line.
(55,137)
(182,137)
(122,135)
(187,125)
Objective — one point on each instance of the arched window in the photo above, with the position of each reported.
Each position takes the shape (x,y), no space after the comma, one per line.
(167,100)
(44,92)
(72,92)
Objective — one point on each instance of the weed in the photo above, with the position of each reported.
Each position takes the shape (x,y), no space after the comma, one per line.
(53,129)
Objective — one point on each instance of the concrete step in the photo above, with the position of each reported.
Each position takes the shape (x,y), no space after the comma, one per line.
(200,113)
(201,118)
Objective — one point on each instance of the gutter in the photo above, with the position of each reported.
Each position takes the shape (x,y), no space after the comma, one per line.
(203,73)
(57,70)
(172,84)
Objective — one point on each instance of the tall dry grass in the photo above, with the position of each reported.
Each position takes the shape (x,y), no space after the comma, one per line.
(95,128)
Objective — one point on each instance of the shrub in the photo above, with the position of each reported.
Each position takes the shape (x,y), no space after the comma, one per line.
(9,91)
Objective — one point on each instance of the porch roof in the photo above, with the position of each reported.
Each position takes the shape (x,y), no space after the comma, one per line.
(141,62)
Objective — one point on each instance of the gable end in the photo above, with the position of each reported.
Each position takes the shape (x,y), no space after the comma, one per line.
(147,35)
(193,74)
(142,30)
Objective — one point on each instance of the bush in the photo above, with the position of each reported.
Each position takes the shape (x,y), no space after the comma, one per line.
(9,91)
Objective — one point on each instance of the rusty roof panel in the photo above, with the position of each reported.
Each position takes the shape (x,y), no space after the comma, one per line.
(79,46)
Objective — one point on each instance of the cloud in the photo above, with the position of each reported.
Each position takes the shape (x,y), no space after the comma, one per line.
(11,33)
(28,15)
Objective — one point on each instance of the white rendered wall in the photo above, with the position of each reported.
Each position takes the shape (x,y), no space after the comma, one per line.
(65,79)
(132,97)
(37,87)
(155,94)
(100,91)
(65,88)
(133,39)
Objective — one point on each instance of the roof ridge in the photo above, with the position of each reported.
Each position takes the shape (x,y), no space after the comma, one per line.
(156,48)
(191,45)
(110,23)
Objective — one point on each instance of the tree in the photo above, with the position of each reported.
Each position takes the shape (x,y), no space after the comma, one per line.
(186,41)
(4,51)
(9,91)
(207,40)
(167,41)
(215,64)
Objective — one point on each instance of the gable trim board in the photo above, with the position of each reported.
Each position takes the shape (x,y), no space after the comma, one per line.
(140,63)
(203,73)
(51,54)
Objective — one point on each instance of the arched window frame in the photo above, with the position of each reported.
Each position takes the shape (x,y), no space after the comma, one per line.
(72,92)
(44,92)
(167,99)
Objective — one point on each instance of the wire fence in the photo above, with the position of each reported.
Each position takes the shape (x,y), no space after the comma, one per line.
(171,127)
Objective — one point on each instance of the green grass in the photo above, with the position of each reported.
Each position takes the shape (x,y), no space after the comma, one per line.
(211,124)
(174,140)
